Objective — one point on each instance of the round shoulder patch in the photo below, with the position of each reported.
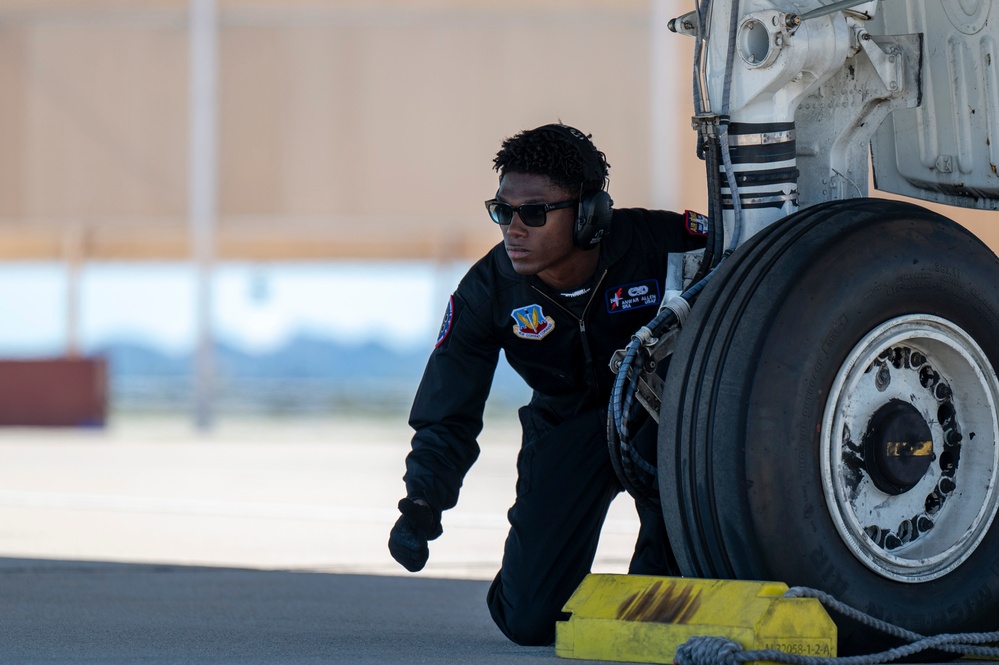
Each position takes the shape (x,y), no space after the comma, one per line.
(446,323)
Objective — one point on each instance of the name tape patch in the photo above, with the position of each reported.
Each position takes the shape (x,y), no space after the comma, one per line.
(632,296)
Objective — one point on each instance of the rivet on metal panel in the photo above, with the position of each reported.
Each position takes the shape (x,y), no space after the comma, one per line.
(945,164)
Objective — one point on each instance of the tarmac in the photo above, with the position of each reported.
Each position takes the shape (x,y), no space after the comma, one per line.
(263,541)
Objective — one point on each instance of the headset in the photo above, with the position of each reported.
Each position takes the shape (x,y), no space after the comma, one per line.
(593,217)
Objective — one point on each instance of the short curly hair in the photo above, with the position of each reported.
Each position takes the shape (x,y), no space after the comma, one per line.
(542,151)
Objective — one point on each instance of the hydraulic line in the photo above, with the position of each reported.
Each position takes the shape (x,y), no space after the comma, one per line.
(733,187)
(637,475)
(825,10)
(723,143)
(714,145)
(702,110)
(708,140)
(642,487)
(702,104)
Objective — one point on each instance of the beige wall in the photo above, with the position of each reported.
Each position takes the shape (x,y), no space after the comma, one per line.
(345,128)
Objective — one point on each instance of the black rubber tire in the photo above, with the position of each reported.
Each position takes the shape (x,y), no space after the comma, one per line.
(739,439)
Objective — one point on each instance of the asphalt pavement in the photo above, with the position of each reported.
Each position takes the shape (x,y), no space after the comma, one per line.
(261,542)
(92,612)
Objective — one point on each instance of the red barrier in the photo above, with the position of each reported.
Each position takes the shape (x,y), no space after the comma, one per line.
(60,392)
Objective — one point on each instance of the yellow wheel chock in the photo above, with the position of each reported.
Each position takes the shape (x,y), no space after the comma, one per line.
(642,619)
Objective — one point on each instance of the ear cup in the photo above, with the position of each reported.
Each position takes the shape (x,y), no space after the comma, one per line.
(593,219)
(594,215)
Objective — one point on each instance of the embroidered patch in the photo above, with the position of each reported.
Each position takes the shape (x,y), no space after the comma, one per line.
(696,223)
(531,322)
(632,296)
(446,324)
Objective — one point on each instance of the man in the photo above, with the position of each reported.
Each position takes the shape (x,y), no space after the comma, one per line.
(571,282)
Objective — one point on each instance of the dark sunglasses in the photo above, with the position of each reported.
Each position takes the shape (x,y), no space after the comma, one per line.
(532,214)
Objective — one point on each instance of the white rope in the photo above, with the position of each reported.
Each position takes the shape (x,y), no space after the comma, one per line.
(707,650)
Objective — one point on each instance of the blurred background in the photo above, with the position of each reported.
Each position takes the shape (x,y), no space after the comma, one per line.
(237,222)
(248,206)
(228,230)
(260,206)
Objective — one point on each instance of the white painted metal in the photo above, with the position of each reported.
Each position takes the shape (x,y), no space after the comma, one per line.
(775,65)
(947,149)
(835,124)
(857,506)
(920,70)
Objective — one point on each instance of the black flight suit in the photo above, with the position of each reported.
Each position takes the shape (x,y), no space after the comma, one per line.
(561,345)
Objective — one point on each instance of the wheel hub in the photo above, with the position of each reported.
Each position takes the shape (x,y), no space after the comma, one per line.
(898,447)
(910,448)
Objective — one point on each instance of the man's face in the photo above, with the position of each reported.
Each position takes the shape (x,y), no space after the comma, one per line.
(546,251)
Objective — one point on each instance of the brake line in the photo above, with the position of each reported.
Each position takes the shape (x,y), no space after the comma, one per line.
(623,405)
(713,140)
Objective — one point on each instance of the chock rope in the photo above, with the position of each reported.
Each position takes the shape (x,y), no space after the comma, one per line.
(709,650)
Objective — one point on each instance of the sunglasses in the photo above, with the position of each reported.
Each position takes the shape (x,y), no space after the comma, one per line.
(532,214)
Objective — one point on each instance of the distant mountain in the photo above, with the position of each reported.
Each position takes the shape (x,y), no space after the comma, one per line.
(306,374)
(312,358)
(125,359)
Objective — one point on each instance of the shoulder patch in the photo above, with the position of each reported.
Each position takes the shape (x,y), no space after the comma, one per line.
(695,223)
(446,323)
(531,323)
(632,296)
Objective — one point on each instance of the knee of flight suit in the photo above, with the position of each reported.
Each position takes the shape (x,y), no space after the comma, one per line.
(530,626)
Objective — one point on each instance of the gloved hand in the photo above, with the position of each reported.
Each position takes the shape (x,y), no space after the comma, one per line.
(418,524)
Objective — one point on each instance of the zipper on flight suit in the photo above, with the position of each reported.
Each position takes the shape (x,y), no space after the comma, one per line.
(592,380)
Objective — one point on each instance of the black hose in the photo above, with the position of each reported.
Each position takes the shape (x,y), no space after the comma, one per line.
(624,407)
(715,226)
(637,476)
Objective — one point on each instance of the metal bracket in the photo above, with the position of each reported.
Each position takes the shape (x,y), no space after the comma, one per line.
(889,63)
(684,25)
(835,124)
(649,387)
(680,272)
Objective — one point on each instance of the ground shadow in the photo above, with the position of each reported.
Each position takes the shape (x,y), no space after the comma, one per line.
(98,612)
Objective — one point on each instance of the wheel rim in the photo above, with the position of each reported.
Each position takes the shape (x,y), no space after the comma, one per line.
(912,508)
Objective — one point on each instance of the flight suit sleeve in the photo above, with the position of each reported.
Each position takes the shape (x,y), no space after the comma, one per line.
(447,410)
(678,232)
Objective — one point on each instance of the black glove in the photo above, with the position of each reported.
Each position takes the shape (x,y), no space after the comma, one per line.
(418,524)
